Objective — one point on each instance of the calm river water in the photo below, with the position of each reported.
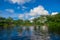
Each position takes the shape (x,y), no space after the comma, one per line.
(26,33)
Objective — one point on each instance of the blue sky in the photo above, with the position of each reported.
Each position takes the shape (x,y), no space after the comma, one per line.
(28,9)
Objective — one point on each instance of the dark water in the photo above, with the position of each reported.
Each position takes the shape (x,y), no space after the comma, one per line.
(26,33)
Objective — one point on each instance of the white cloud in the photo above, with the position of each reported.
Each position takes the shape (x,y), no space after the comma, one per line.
(38,11)
(35,12)
(9,10)
(19,1)
(54,13)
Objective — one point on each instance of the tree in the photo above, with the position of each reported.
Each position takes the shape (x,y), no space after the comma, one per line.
(53,23)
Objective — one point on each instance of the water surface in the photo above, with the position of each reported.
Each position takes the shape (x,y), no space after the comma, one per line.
(26,33)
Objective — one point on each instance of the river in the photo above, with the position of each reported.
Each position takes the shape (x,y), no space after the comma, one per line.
(26,33)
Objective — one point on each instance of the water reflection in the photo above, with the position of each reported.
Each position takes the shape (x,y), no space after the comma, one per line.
(26,33)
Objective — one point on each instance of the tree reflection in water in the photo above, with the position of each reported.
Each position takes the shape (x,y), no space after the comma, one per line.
(26,33)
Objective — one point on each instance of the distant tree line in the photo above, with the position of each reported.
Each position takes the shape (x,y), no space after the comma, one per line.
(52,21)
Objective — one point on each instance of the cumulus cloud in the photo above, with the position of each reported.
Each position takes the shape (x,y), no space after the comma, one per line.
(9,10)
(38,11)
(54,13)
(19,1)
(35,12)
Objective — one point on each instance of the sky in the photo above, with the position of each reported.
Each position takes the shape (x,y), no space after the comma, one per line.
(28,9)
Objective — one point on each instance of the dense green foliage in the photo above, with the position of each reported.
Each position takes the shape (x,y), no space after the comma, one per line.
(9,22)
(52,21)
(6,23)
